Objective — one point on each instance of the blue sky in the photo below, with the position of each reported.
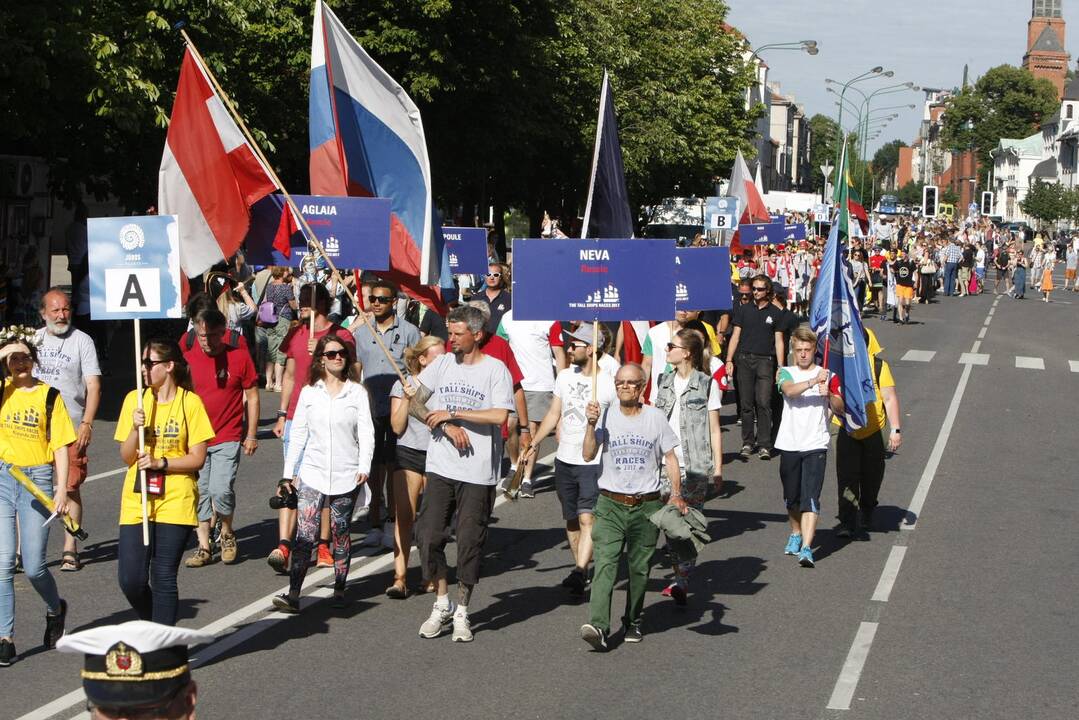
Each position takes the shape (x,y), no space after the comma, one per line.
(923,42)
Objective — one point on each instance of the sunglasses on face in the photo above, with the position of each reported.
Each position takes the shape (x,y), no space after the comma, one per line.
(383,299)
(757,289)
(672,346)
(578,346)
(494,274)
(335,354)
(628,383)
(149,364)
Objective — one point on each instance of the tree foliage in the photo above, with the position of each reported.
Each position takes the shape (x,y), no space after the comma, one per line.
(911,193)
(1006,102)
(885,161)
(1047,202)
(508,89)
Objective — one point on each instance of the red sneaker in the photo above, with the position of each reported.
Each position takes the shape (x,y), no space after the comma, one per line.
(278,559)
(325,557)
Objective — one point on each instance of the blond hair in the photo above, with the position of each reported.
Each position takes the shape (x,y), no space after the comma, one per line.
(415,352)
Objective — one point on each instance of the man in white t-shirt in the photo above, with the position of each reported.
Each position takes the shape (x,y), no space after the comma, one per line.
(811,395)
(576,479)
(67,360)
(530,341)
(463,397)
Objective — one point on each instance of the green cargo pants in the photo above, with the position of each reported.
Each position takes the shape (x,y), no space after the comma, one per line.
(618,526)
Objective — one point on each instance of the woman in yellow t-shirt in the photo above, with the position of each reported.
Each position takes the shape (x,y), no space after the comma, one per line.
(177,429)
(33,444)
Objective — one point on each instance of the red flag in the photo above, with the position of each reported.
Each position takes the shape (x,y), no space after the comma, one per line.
(749,199)
(285,230)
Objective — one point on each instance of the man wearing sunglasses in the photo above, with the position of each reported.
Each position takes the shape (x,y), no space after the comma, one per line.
(496,294)
(379,375)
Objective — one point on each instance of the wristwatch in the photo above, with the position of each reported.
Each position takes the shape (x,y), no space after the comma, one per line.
(282,413)
(453,414)
(895,431)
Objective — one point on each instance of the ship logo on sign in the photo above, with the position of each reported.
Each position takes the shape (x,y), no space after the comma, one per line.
(333,246)
(606,298)
(453,260)
(131,237)
(681,293)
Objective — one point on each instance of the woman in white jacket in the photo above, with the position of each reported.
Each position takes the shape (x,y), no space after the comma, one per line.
(332,429)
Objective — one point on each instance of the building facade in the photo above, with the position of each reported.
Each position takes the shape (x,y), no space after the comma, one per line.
(1046,56)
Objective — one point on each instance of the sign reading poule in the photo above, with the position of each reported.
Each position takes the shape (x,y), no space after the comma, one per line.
(355,232)
(593,279)
(764,234)
(134,267)
(702,278)
(467,250)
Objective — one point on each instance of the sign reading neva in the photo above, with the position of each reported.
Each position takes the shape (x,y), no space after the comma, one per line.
(134,267)
(467,250)
(764,234)
(355,232)
(702,278)
(593,279)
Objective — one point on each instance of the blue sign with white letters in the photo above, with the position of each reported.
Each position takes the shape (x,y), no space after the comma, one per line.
(134,267)
(763,234)
(467,250)
(702,278)
(593,279)
(794,233)
(779,218)
(355,232)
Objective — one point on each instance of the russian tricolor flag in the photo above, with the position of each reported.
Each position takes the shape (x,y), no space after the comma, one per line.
(367,140)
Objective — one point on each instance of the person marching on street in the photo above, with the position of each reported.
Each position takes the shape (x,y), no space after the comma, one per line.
(35,432)
(637,445)
(810,395)
(224,377)
(67,360)
(463,397)
(177,431)
(328,462)
(576,479)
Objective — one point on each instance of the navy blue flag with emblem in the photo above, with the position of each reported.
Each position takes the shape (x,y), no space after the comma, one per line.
(607,213)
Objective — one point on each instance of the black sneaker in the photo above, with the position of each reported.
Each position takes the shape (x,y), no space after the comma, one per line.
(575,581)
(7,653)
(54,626)
(747,450)
(843,531)
(633,633)
(526,490)
(595,637)
(285,604)
(765,454)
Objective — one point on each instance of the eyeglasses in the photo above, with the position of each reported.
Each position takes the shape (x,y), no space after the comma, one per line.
(578,346)
(628,383)
(379,299)
(760,289)
(335,354)
(148,363)
(494,274)
(744,295)
(672,346)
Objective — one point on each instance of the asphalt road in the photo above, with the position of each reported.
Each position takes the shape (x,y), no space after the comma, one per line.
(958,606)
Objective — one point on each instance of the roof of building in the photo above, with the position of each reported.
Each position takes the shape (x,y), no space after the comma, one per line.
(1071,90)
(1048,41)
(1030,146)
(1045,169)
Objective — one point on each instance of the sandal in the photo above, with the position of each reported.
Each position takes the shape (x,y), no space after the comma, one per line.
(69,561)
(397,591)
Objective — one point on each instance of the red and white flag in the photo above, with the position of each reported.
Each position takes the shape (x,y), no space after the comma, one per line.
(210,176)
(749,197)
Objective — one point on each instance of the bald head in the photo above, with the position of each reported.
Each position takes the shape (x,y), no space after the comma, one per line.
(56,311)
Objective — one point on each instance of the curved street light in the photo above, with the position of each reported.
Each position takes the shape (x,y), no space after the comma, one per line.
(871,73)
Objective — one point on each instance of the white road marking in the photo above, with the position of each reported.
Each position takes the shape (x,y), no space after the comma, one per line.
(977,346)
(974,358)
(110,473)
(919,355)
(268,619)
(889,574)
(1073,365)
(847,682)
(991,311)
(981,333)
(1029,363)
(988,320)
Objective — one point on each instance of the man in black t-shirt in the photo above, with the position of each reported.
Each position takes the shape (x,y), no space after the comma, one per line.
(1001,264)
(903,269)
(754,352)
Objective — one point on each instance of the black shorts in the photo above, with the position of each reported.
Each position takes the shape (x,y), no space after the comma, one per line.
(577,487)
(385,442)
(411,459)
(802,474)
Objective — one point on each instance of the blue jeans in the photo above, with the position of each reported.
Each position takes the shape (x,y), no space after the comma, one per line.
(950,271)
(148,574)
(16,501)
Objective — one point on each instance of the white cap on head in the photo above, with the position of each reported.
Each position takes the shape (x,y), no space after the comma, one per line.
(142,635)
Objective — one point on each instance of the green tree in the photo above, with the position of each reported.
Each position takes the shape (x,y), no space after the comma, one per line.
(911,193)
(1047,202)
(1006,102)
(885,162)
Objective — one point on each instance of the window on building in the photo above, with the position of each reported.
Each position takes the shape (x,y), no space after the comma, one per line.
(1068,111)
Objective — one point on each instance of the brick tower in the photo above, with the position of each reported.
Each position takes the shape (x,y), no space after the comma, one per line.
(1046,56)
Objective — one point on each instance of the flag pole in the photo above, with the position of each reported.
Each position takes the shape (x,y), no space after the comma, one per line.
(290,204)
(142,431)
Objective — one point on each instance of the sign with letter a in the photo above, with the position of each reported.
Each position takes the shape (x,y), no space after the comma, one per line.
(134,267)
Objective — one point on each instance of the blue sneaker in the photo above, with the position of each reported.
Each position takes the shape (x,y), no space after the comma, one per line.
(794,544)
(805,558)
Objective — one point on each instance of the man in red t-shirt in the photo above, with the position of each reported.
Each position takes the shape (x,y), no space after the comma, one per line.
(224,378)
(298,347)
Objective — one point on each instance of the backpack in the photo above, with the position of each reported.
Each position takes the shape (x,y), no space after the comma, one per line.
(267,312)
(232,339)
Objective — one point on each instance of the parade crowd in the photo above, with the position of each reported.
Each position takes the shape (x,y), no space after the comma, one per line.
(401,419)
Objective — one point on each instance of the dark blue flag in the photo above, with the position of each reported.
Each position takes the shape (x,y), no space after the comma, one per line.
(607,213)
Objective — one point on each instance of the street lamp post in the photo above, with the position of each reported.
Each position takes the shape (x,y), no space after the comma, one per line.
(874,72)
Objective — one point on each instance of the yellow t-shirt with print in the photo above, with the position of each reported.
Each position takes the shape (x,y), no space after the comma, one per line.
(22,426)
(171,429)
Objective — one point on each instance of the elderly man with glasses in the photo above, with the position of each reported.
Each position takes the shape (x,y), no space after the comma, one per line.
(379,375)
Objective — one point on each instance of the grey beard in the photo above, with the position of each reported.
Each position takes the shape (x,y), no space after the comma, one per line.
(55,328)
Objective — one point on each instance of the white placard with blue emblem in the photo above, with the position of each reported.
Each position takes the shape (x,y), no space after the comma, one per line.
(134,267)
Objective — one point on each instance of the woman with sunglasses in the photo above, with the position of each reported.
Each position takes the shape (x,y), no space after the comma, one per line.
(691,400)
(177,429)
(34,439)
(329,458)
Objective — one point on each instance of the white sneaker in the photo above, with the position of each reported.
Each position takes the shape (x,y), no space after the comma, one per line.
(439,622)
(373,538)
(462,627)
(388,540)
